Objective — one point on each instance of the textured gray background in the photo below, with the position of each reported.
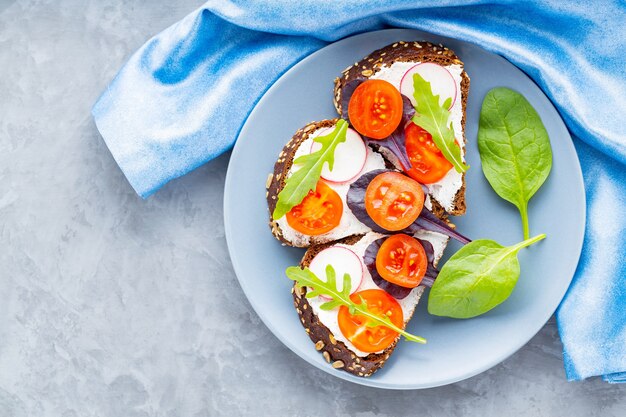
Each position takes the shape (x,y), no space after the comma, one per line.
(114,306)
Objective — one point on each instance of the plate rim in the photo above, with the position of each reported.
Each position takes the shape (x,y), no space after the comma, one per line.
(247,291)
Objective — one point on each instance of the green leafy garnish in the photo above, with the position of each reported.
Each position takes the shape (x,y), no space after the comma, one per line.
(476,279)
(305,179)
(514,148)
(434,118)
(306,278)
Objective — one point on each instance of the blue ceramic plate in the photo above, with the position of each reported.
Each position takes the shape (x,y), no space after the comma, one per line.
(456,349)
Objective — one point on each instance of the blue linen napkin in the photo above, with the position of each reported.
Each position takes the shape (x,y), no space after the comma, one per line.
(592,316)
(181,99)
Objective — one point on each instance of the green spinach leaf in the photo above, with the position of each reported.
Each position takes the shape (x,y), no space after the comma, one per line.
(435,119)
(476,279)
(514,148)
(305,179)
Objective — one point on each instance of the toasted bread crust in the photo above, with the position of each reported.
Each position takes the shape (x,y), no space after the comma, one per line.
(335,351)
(409,52)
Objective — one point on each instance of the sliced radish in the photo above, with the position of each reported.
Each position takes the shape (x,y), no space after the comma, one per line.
(350,157)
(343,261)
(441,82)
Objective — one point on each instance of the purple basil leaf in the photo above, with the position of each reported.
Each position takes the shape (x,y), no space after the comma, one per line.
(428,281)
(356,199)
(396,145)
(428,248)
(396,142)
(346,94)
(369,259)
(407,107)
(428,221)
(431,271)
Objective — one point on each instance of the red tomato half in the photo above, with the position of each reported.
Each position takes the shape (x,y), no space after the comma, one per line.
(428,163)
(375,109)
(354,328)
(393,200)
(319,212)
(402,260)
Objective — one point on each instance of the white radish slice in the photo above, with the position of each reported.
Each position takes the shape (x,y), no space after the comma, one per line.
(343,261)
(350,157)
(441,82)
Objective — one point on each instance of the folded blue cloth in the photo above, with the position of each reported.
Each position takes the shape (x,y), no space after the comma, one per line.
(592,316)
(181,99)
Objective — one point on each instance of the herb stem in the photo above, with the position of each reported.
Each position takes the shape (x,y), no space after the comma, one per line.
(530,241)
(524,212)
(410,337)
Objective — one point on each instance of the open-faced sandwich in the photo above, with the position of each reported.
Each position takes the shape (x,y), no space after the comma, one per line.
(369,195)
(388,273)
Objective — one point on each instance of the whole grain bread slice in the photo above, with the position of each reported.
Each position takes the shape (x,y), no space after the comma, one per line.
(409,52)
(335,351)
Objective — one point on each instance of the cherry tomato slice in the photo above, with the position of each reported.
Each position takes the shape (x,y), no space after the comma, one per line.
(319,212)
(428,163)
(375,108)
(393,200)
(354,328)
(402,260)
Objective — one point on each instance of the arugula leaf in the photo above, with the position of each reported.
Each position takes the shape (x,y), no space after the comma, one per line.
(298,185)
(306,278)
(476,279)
(434,118)
(514,148)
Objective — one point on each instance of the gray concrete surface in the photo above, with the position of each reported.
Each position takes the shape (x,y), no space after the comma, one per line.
(114,306)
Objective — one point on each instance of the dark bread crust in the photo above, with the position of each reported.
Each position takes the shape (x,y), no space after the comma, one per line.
(276,180)
(409,52)
(335,351)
